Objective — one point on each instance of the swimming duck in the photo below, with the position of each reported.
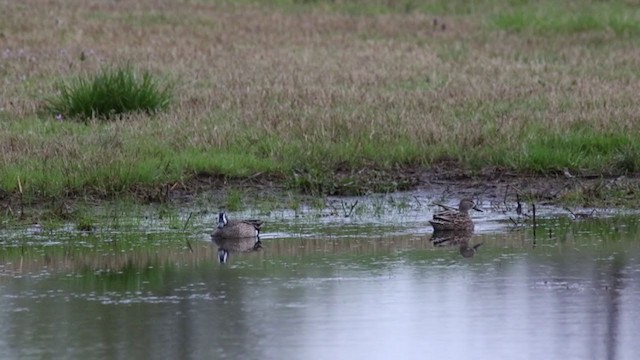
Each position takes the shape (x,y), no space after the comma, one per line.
(455,220)
(236,236)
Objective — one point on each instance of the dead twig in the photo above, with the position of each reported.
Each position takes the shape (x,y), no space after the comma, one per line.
(344,208)
(187,221)
(21,198)
(506,193)
(418,201)
(516,225)
(184,228)
(533,207)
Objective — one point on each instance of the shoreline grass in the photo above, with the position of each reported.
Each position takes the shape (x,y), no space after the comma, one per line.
(321,95)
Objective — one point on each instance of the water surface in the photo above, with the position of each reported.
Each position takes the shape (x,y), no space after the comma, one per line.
(372,285)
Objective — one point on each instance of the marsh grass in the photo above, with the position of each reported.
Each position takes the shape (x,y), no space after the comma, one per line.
(111,92)
(321,96)
(233,200)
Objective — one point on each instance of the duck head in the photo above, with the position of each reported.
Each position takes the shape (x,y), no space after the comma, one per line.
(222,220)
(467,204)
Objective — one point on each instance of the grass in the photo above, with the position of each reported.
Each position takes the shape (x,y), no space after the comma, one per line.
(555,17)
(110,93)
(318,96)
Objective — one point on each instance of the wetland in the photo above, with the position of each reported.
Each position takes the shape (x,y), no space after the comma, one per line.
(330,281)
(340,124)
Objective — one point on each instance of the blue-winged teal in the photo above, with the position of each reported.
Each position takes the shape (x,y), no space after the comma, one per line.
(236,236)
(455,220)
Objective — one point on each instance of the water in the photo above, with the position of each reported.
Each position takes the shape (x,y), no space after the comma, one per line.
(324,287)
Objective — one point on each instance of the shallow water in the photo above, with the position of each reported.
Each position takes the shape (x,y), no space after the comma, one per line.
(371,285)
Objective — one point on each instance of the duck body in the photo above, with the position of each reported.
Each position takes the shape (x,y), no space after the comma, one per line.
(236,236)
(455,220)
(451,221)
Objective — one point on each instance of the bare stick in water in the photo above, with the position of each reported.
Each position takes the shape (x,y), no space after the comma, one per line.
(533,207)
(187,222)
(21,199)
(352,206)
(184,228)
(417,200)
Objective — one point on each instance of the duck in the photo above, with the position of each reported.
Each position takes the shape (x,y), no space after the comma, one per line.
(455,220)
(236,236)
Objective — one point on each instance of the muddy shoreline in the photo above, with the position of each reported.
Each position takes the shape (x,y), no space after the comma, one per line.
(494,185)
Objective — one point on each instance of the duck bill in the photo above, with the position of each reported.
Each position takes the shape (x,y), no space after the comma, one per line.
(476,208)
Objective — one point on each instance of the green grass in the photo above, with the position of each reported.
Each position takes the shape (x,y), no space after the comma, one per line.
(558,18)
(322,97)
(311,166)
(113,91)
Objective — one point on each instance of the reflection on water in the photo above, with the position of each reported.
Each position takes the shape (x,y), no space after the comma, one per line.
(463,240)
(570,293)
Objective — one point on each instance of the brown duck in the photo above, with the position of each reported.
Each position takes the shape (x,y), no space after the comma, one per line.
(455,220)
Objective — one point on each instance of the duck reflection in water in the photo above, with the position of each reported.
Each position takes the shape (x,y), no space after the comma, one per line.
(236,236)
(456,238)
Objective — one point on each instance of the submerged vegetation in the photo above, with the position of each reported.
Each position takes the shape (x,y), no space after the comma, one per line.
(318,96)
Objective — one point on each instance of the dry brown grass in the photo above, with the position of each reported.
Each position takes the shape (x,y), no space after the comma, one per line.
(306,86)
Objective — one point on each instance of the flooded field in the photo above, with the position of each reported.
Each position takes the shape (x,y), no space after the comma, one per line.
(337,282)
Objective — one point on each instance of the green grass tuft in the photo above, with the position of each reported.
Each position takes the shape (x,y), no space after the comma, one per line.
(112,92)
